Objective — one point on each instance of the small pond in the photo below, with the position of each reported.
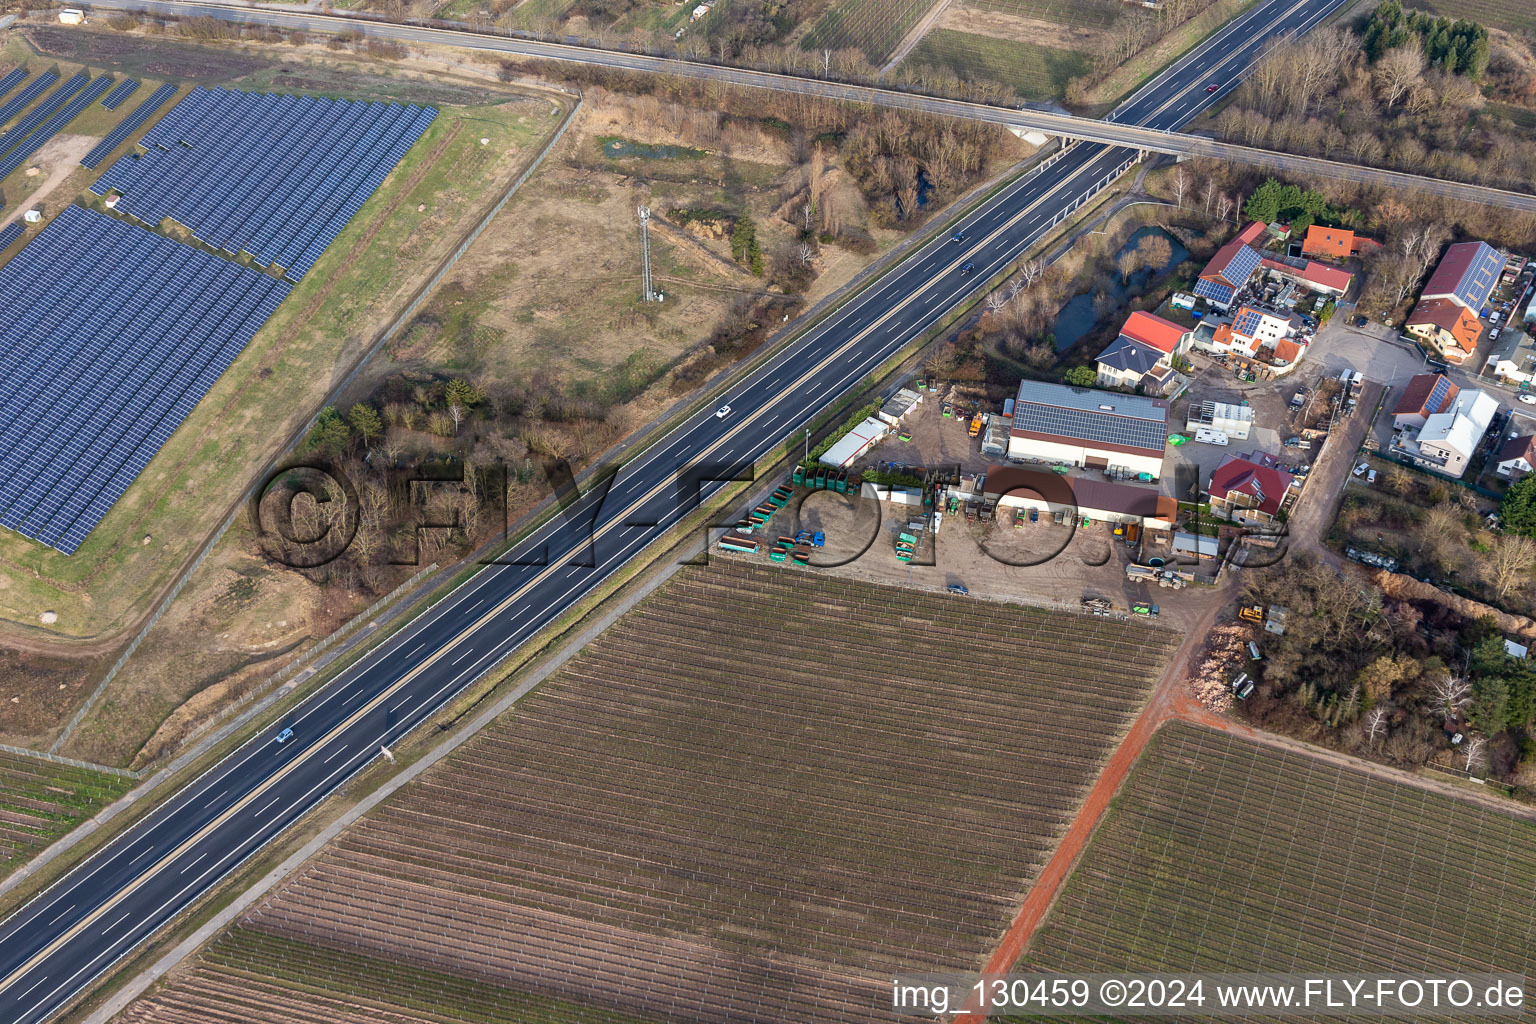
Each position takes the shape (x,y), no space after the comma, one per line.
(1076,317)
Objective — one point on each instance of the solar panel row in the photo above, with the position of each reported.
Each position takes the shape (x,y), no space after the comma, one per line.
(16,104)
(271,175)
(114,99)
(49,128)
(12,79)
(109,336)
(43,111)
(130,124)
(10,233)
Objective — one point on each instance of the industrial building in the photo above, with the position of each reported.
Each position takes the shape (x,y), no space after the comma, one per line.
(1064,425)
(1099,501)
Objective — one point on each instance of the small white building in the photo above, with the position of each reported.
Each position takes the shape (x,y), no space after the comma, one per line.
(898,405)
(855,443)
(72,16)
(1236,421)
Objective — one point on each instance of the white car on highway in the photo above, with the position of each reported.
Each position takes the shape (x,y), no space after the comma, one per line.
(722,412)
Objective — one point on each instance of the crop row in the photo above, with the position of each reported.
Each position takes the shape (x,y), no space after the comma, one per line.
(1225,855)
(1091,13)
(249,976)
(40,801)
(750,799)
(874,26)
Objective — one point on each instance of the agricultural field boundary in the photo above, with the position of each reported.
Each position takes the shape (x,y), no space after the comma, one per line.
(557,94)
(467,701)
(391,604)
(435,590)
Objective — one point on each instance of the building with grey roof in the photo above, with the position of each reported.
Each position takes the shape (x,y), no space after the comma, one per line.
(1057,424)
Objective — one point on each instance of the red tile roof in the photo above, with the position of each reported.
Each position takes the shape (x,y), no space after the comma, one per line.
(1287,351)
(1328,277)
(1321,241)
(1416,394)
(1249,233)
(1153,331)
(1453,317)
(1238,474)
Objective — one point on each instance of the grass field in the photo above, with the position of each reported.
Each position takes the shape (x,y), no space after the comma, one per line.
(874,26)
(40,801)
(1095,13)
(864,779)
(426,202)
(1034,71)
(1226,855)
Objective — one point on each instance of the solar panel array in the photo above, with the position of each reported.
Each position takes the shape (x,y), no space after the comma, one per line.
(271,175)
(1242,265)
(12,79)
(49,128)
(43,111)
(10,233)
(1437,394)
(130,124)
(114,99)
(1214,290)
(109,336)
(17,103)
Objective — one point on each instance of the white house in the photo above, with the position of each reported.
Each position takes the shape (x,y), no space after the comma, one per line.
(1515,358)
(1447,440)
(1517,457)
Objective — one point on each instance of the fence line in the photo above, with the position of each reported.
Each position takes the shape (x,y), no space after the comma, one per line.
(421,296)
(44,755)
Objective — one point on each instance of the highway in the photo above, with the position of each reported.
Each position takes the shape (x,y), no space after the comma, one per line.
(57,944)
(1160,136)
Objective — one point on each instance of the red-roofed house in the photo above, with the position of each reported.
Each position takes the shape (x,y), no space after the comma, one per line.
(1230,269)
(1336,243)
(1447,326)
(1147,344)
(1425,395)
(1250,489)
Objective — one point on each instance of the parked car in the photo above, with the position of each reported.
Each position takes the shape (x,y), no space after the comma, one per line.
(1370,478)
(958,588)
(1360,469)
(1493,335)
(1528,399)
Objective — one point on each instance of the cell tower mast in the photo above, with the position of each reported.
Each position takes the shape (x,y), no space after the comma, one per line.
(647,290)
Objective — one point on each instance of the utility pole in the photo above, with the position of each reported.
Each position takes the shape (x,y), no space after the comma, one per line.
(647,291)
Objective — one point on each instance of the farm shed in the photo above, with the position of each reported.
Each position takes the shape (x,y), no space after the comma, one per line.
(898,405)
(855,443)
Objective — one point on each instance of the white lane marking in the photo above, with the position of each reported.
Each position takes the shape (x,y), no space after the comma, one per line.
(141,856)
(335,755)
(61,916)
(194,861)
(461,657)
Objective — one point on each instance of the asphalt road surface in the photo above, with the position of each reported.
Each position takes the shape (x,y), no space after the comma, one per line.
(1126,130)
(53,948)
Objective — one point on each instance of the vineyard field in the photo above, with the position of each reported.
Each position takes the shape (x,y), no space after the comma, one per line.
(1492,13)
(41,801)
(748,800)
(874,26)
(1226,855)
(1088,13)
(1034,71)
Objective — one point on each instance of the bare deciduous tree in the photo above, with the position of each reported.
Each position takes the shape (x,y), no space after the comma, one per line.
(1376,724)
(1397,71)
(1451,694)
(1508,565)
